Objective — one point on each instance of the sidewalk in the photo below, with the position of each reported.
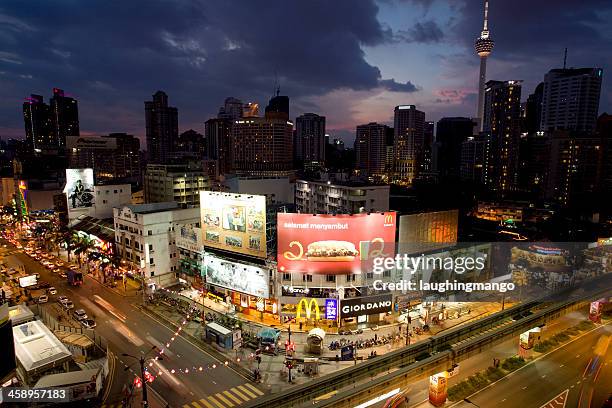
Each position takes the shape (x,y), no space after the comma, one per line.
(272,368)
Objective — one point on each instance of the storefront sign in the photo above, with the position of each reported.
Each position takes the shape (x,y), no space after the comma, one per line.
(307,306)
(331,309)
(367,305)
(243,278)
(327,244)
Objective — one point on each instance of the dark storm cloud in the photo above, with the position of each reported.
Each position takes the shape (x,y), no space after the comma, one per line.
(112,56)
(393,86)
(422,32)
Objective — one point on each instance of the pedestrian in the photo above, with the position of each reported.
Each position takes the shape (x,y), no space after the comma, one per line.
(375,337)
(300,325)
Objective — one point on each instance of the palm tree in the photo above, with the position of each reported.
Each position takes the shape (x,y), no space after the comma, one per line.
(69,238)
(83,245)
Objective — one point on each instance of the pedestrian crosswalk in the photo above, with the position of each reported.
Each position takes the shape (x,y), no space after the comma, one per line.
(228,398)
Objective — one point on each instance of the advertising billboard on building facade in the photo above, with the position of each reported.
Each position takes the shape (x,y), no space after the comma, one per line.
(333,244)
(79,188)
(366,305)
(243,278)
(234,222)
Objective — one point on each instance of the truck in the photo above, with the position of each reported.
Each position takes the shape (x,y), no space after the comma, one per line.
(74,278)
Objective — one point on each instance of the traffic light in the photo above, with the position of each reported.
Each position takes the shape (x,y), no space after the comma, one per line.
(289,364)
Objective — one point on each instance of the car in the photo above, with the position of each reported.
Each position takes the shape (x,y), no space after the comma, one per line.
(51,266)
(88,323)
(80,314)
(68,305)
(43,299)
(59,263)
(52,290)
(344,332)
(63,275)
(62,299)
(37,276)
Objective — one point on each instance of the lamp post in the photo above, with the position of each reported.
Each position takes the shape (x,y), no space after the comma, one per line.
(141,360)
(290,364)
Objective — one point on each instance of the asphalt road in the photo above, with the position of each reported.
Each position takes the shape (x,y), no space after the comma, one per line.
(537,383)
(128,330)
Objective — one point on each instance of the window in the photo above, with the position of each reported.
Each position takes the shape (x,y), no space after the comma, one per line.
(150,247)
(387,273)
(330,278)
(151,261)
(286,276)
(350,278)
(149,232)
(307,278)
(369,275)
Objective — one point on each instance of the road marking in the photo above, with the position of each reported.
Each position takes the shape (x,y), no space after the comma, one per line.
(232,396)
(562,365)
(223,399)
(206,403)
(241,395)
(213,400)
(255,389)
(195,404)
(544,376)
(246,391)
(525,387)
(187,406)
(503,400)
(577,355)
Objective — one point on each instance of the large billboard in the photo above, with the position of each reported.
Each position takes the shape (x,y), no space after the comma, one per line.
(234,222)
(366,305)
(79,188)
(248,279)
(333,244)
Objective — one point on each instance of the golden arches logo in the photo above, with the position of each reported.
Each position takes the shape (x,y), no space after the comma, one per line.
(388,219)
(308,306)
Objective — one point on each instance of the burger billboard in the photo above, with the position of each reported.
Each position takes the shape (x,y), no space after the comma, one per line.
(234,222)
(333,244)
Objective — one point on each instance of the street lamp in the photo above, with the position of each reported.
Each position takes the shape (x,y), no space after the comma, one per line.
(142,360)
(470,402)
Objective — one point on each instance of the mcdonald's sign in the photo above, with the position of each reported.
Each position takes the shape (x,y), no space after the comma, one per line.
(308,305)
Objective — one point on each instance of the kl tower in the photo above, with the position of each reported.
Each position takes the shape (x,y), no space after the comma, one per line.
(484,46)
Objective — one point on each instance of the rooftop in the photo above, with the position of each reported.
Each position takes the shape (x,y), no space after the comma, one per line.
(353,184)
(36,348)
(152,207)
(101,228)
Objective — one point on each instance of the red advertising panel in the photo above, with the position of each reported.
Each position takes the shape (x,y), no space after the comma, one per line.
(333,244)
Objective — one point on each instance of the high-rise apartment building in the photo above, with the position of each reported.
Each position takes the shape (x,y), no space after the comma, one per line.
(371,150)
(502,122)
(475,156)
(570,99)
(161,128)
(261,146)
(64,117)
(451,133)
(310,139)
(428,141)
(533,110)
(409,127)
(180,183)
(217,133)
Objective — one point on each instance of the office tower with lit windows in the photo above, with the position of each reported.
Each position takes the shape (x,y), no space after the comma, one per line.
(37,124)
(217,137)
(161,128)
(64,117)
(310,140)
(409,128)
(570,99)
(371,150)
(502,123)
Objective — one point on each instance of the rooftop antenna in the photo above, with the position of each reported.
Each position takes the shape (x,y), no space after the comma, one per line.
(565,58)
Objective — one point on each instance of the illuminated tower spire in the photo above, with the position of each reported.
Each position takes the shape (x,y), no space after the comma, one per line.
(484,46)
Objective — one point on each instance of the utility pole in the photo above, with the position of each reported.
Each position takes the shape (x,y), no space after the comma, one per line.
(145,401)
(289,345)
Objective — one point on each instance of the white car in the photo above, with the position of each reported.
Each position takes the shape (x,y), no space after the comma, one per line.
(69,305)
(51,290)
(80,314)
(62,300)
(88,323)
(43,299)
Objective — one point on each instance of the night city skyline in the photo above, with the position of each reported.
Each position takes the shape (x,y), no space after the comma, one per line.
(352,70)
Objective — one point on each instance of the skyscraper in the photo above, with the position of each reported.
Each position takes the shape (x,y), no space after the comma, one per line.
(483,45)
(502,122)
(278,107)
(64,117)
(371,149)
(450,135)
(232,109)
(571,99)
(217,133)
(310,139)
(37,124)
(409,126)
(533,114)
(161,128)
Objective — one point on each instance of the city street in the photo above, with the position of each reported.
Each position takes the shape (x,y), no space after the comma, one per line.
(537,383)
(128,330)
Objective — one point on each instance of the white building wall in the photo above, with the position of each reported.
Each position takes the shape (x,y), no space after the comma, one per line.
(276,189)
(107,197)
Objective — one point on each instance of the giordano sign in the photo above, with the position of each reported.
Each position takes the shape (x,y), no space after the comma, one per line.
(308,305)
(367,305)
